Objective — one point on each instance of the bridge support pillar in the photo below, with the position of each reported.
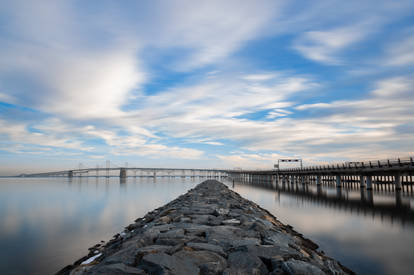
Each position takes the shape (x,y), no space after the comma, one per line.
(362,181)
(70,174)
(369,182)
(319,190)
(338,181)
(370,197)
(397,181)
(123,173)
(363,197)
(318,180)
(338,192)
(398,200)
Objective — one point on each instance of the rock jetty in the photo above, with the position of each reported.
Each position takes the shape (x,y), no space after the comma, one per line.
(209,230)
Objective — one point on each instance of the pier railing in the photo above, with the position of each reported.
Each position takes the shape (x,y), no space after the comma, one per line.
(398,171)
(350,166)
(383,164)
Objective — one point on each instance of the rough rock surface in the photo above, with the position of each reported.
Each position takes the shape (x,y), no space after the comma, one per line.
(209,230)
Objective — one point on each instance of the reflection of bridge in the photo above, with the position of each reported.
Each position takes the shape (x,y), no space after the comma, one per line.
(123,172)
(393,206)
(396,173)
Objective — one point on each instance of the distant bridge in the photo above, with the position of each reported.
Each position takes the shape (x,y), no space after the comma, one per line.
(397,173)
(124,172)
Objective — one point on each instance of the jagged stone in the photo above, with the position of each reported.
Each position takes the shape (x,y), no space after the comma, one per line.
(175,233)
(231,222)
(160,263)
(222,211)
(279,239)
(201,219)
(126,256)
(246,261)
(296,267)
(268,251)
(245,242)
(208,247)
(153,249)
(194,229)
(117,269)
(208,262)
(172,241)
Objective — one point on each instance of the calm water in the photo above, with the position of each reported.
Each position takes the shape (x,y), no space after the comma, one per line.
(49,223)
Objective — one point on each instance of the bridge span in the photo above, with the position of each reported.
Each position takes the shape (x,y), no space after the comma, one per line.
(393,174)
(124,172)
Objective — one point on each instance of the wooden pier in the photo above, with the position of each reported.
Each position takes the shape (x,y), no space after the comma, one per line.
(388,175)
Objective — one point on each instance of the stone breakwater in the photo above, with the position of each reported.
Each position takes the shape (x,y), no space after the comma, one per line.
(209,230)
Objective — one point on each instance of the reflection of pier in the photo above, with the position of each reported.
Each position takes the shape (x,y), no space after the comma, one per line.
(389,175)
(392,206)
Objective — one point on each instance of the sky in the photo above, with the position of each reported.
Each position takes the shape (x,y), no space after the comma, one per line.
(204,84)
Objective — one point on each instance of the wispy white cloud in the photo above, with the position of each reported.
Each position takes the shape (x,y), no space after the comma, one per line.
(211,30)
(401,53)
(7,98)
(51,136)
(250,161)
(75,84)
(70,75)
(331,29)
(139,145)
(18,133)
(326,45)
(381,120)
(159,151)
(278,113)
(205,141)
(215,106)
(205,112)
(58,67)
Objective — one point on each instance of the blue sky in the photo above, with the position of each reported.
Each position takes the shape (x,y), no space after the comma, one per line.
(204,83)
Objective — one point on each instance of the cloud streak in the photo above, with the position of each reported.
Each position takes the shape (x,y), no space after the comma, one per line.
(325,46)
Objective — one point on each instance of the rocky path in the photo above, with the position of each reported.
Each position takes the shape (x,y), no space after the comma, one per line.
(209,230)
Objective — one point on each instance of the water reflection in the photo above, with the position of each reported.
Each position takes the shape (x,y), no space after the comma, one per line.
(370,231)
(394,205)
(48,223)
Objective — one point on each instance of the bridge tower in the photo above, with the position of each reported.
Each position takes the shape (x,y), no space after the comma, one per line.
(108,165)
(123,173)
